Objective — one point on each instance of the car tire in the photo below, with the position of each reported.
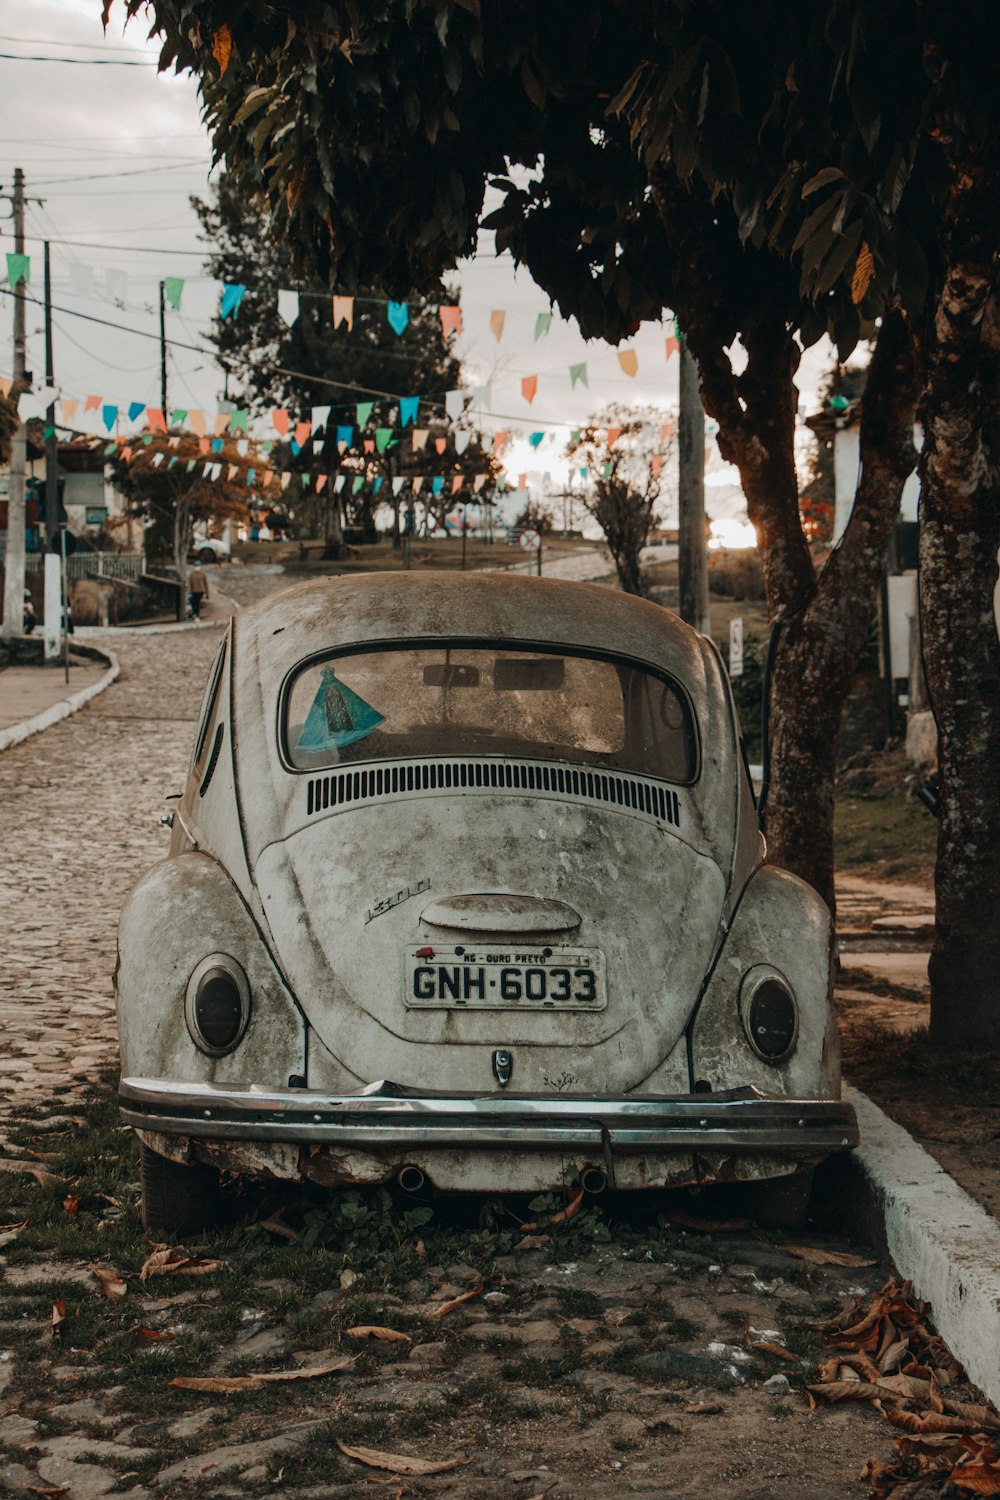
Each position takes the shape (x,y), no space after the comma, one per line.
(206,555)
(178,1199)
(779,1203)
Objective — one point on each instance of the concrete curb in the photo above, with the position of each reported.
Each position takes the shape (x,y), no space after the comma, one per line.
(62,710)
(94,632)
(938,1237)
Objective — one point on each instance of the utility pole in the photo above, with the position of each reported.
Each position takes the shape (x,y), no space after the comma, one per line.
(693,537)
(51,449)
(163,357)
(13,596)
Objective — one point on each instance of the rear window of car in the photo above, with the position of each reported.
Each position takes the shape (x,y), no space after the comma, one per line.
(483,700)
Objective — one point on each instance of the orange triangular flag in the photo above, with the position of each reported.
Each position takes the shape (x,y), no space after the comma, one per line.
(440,444)
(320,482)
(656,462)
(451,320)
(302,431)
(279,417)
(92,403)
(529,387)
(497,319)
(672,346)
(614,433)
(456,484)
(154,416)
(221,423)
(343,312)
(629,361)
(196,421)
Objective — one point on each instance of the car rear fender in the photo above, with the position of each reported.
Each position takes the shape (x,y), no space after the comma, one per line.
(780,923)
(184,910)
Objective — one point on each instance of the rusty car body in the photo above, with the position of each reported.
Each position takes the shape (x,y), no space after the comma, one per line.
(466,887)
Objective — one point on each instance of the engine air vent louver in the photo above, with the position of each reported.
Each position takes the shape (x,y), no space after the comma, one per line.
(372,783)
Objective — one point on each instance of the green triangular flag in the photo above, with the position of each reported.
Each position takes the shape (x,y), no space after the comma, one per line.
(337,717)
(18,268)
(578,372)
(383,437)
(239,420)
(49,432)
(172,288)
(358,485)
(178,416)
(542,325)
(364,410)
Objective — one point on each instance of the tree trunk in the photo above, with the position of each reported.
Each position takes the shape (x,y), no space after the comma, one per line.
(822,622)
(960,535)
(182,545)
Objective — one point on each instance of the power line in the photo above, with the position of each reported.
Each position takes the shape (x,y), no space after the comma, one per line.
(186,161)
(48,41)
(80,62)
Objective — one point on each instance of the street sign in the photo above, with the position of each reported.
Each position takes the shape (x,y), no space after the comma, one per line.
(530,539)
(736,647)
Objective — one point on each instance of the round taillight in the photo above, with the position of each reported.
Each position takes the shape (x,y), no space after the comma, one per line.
(770,1014)
(218,1004)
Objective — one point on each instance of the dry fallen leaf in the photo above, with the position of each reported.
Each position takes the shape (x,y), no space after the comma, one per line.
(71,1203)
(399,1463)
(534,1242)
(976,1479)
(175,1261)
(375,1331)
(51,1492)
(225,1383)
(931,1421)
(13,1228)
(58,1316)
(561,1215)
(778,1350)
(275,1226)
(444,1308)
(110,1282)
(152,1334)
(826,1257)
(703,1408)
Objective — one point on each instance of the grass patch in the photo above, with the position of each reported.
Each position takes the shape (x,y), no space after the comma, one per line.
(888,834)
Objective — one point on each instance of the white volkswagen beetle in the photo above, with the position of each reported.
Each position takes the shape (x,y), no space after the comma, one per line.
(466,888)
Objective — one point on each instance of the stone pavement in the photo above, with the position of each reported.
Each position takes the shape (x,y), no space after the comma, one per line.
(79,810)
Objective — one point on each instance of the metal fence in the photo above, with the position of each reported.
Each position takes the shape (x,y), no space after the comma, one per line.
(126,565)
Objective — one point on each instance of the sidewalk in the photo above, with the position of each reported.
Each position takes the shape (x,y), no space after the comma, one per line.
(26,692)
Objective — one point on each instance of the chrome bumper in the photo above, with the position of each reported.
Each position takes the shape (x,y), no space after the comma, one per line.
(387,1116)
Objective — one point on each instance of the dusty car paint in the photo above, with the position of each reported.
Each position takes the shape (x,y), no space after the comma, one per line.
(332,888)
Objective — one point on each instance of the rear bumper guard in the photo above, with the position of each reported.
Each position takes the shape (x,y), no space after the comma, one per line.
(388,1117)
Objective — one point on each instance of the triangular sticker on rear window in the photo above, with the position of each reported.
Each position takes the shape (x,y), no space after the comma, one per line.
(337,717)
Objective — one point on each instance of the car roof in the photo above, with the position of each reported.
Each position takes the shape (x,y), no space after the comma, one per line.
(327,614)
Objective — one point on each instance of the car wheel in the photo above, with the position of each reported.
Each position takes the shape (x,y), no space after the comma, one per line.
(178,1199)
(781,1202)
(205,554)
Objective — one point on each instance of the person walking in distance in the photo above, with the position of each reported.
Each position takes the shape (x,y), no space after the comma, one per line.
(198,589)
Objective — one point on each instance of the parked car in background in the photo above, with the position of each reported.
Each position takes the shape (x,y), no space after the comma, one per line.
(466,889)
(209,549)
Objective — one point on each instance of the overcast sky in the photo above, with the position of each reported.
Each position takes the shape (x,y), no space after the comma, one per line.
(115,152)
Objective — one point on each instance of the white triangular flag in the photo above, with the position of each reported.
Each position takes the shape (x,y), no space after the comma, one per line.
(285,479)
(338,483)
(454,403)
(234,469)
(320,417)
(157,460)
(462,440)
(288,306)
(242,447)
(216,470)
(478,483)
(81,279)
(397,483)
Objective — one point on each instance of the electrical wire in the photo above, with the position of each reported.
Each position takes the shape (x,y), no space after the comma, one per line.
(82,62)
(186,161)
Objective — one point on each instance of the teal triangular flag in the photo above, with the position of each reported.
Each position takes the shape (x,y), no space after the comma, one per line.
(337,717)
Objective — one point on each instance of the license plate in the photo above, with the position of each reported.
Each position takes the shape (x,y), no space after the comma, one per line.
(504,978)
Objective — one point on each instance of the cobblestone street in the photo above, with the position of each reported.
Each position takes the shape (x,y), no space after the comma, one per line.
(81,804)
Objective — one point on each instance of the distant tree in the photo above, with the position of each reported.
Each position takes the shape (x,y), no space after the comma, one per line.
(176,494)
(312,363)
(622,483)
(535,515)
(9,422)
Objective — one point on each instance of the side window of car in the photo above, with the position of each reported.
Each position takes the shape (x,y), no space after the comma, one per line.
(208,709)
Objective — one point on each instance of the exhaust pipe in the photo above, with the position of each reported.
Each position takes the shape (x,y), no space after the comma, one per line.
(410,1179)
(593,1180)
